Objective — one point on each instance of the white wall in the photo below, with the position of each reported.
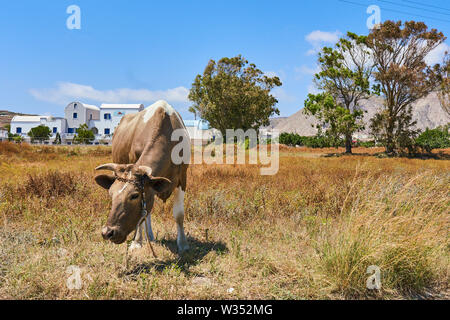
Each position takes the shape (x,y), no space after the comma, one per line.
(3,135)
(25,126)
(59,123)
(111,124)
(84,114)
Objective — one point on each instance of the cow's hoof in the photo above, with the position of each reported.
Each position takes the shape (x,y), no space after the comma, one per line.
(134,246)
(183,248)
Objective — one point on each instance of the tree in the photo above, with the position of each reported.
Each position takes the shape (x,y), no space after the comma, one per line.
(344,77)
(444,88)
(84,135)
(15,137)
(194,111)
(8,127)
(57,139)
(233,94)
(402,77)
(40,133)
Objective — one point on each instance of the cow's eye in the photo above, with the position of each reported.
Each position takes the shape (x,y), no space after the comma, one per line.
(134,196)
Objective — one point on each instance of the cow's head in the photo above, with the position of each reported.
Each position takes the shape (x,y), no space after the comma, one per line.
(126,186)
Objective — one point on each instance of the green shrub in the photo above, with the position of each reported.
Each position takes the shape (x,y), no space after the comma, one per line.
(438,138)
(365,144)
(318,141)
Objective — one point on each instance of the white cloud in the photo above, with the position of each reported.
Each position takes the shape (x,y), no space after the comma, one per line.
(323,36)
(307,70)
(313,89)
(282,95)
(437,55)
(67,91)
(319,38)
(271,74)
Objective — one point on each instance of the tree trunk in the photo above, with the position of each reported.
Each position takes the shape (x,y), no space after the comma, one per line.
(390,137)
(348,143)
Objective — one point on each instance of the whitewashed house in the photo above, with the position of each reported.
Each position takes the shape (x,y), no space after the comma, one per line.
(3,134)
(101,120)
(22,125)
(77,114)
(200,130)
(109,118)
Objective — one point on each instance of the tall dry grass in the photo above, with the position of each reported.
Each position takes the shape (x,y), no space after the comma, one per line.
(309,232)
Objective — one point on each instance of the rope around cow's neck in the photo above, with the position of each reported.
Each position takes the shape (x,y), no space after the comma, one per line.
(144,214)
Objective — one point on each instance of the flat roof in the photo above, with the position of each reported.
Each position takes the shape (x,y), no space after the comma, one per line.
(121,106)
(29,118)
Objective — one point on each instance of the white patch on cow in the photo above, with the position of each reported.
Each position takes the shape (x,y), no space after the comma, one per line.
(123,188)
(126,183)
(150,110)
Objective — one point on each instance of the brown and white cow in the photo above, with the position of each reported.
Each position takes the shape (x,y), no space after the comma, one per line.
(141,152)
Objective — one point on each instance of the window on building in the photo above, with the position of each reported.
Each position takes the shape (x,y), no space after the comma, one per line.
(75,115)
(107,131)
(75,106)
(107,116)
(18,130)
(55,129)
(70,130)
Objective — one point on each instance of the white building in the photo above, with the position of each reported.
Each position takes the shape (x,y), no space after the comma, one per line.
(101,120)
(23,124)
(3,134)
(199,130)
(110,116)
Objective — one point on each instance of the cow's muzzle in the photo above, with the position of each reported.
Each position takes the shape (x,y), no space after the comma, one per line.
(107,233)
(113,235)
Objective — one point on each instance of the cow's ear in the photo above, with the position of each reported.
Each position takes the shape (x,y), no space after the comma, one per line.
(105,180)
(159,184)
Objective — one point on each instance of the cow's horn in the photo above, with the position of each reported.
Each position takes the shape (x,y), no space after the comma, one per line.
(146,170)
(108,166)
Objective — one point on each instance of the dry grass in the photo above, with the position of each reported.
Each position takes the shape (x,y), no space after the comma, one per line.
(309,232)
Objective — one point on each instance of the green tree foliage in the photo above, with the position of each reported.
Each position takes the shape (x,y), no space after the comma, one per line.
(438,138)
(15,137)
(340,121)
(318,141)
(8,127)
(233,94)
(40,133)
(402,77)
(57,139)
(344,76)
(84,135)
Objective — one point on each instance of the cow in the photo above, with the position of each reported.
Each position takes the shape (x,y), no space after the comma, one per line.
(142,169)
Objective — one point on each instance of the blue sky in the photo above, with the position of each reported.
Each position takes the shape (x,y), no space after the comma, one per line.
(142,51)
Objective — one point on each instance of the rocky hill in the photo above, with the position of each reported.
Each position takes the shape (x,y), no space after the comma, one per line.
(6,116)
(427,112)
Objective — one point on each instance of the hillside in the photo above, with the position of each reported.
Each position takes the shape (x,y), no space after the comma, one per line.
(427,112)
(6,116)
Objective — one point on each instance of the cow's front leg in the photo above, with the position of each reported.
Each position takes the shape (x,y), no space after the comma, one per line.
(178,214)
(137,243)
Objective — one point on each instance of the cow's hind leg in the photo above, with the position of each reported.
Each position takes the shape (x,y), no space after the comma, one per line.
(178,214)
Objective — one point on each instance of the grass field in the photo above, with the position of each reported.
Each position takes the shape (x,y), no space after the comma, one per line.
(309,232)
